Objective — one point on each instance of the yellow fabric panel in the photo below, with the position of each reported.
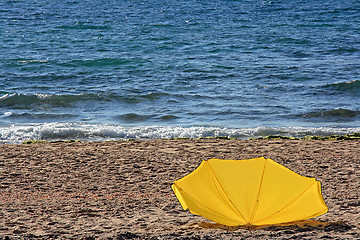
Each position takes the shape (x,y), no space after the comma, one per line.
(200,187)
(219,215)
(179,196)
(309,204)
(240,180)
(280,186)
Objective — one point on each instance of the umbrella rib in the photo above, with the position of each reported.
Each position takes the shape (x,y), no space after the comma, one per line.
(288,203)
(258,194)
(232,204)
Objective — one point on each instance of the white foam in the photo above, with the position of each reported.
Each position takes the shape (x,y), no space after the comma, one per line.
(7,96)
(102,132)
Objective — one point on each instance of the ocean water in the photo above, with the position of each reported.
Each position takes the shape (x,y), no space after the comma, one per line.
(119,69)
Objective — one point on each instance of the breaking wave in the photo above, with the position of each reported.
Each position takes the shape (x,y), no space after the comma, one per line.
(105,132)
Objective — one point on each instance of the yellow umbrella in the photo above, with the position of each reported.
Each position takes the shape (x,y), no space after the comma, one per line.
(256,191)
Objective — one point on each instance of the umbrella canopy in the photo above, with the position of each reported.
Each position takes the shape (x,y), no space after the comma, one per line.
(255,191)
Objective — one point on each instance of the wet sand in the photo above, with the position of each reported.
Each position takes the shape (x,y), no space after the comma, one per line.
(121,190)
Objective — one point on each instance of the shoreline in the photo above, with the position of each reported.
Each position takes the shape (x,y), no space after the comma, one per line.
(19,133)
(122,188)
(345,137)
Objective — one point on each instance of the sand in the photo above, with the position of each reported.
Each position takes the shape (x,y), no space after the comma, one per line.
(121,190)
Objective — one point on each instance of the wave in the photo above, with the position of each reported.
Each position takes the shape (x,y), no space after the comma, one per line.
(105,132)
(352,86)
(99,62)
(343,50)
(133,117)
(36,116)
(300,41)
(105,62)
(48,101)
(84,26)
(33,61)
(22,101)
(339,114)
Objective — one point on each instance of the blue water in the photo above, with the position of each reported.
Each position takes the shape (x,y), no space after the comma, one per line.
(114,69)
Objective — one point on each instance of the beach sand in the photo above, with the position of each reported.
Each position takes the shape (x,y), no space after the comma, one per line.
(121,190)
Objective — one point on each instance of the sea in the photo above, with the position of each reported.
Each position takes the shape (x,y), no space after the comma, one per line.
(152,69)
